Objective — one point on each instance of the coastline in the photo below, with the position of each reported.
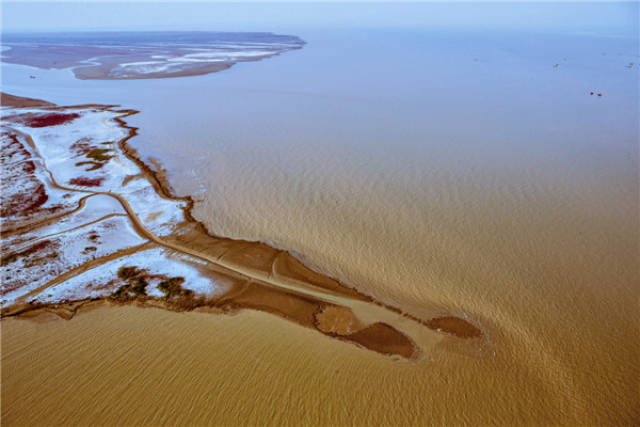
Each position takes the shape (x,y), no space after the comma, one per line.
(104,58)
(473,177)
(263,278)
(267,298)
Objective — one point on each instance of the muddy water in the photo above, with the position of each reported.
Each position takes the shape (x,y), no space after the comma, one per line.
(441,172)
(127,365)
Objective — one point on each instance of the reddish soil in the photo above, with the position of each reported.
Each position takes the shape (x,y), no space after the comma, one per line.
(40,252)
(13,149)
(22,192)
(28,167)
(86,182)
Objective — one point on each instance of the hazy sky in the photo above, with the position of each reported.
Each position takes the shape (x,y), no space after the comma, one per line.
(264,16)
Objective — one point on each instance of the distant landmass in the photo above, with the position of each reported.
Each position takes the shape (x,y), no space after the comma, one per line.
(142,55)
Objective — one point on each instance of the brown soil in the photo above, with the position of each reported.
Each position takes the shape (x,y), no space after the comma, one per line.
(383,338)
(7,100)
(454,325)
(86,182)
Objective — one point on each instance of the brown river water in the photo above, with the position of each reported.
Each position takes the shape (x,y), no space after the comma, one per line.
(440,172)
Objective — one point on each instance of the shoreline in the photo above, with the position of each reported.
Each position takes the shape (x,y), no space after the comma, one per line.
(296,294)
(196,53)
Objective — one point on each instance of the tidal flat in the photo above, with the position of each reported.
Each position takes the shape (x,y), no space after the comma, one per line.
(419,224)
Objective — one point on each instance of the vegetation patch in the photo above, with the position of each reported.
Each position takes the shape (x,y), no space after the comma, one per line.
(49,119)
(24,202)
(135,289)
(173,288)
(99,154)
(126,273)
(135,286)
(94,165)
(86,182)
(97,157)
(40,246)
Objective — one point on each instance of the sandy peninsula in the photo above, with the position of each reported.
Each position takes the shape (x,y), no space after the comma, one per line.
(85,222)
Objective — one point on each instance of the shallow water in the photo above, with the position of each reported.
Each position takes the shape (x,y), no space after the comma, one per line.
(437,170)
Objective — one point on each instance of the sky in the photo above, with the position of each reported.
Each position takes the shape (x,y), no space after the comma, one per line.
(259,15)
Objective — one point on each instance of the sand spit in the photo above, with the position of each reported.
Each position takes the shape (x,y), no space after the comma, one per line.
(85,221)
(8,100)
(146,55)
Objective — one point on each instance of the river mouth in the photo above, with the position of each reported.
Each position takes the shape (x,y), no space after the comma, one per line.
(467,178)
